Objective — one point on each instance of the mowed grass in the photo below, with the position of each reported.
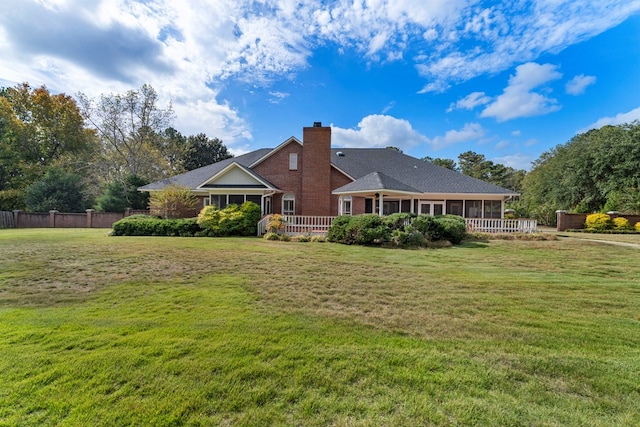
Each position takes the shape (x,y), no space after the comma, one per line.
(98,330)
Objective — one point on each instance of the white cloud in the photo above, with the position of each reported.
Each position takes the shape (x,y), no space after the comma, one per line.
(469,132)
(578,84)
(618,119)
(277,97)
(378,131)
(494,36)
(519,100)
(470,102)
(187,49)
(516,133)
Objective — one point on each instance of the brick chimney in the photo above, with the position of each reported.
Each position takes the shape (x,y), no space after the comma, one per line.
(316,173)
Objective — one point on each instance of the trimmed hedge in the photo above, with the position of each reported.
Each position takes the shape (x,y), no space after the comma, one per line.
(401,229)
(142,225)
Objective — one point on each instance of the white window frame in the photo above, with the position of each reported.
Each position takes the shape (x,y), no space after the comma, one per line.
(346,205)
(289,197)
(293,161)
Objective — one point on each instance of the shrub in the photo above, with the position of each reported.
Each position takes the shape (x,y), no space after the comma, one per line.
(233,220)
(175,201)
(431,229)
(272,236)
(397,221)
(637,227)
(338,230)
(141,225)
(598,221)
(621,224)
(284,237)
(318,239)
(407,238)
(366,229)
(303,238)
(454,228)
(275,224)
(251,216)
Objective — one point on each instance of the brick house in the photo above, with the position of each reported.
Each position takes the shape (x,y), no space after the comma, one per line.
(310,178)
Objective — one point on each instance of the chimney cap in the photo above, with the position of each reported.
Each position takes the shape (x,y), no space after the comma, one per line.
(317,124)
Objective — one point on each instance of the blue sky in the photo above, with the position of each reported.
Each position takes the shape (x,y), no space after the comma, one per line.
(507,79)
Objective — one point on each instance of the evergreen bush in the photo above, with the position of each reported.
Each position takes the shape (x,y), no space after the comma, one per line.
(621,224)
(142,225)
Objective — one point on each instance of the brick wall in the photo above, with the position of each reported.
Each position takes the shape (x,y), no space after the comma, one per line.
(316,174)
(575,221)
(276,169)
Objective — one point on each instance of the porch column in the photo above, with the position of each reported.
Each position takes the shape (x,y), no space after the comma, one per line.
(339,205)
(380,209)
(413,202)
(502,209)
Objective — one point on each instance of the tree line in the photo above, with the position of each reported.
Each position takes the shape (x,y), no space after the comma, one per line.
(70,154)
(57,152)
(596,171)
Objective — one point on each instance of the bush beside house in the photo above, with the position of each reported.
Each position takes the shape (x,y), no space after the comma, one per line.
(398,229)
(233,220)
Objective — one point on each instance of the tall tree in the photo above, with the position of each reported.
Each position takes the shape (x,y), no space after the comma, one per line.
(52,124)
(204,151)
(129,125)
(38,130)
(589,172)
(445,163)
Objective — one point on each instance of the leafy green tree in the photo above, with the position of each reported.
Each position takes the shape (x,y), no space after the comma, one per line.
(477,166)
(59,190)
(122,194)
(445,163)
(203,151)
(589,173)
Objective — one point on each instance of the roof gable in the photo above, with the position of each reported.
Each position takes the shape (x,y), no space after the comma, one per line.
(238,176)
(291,140)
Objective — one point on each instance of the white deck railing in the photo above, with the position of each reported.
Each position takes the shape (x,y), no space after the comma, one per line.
(300,224)
(319,225)
(494,225)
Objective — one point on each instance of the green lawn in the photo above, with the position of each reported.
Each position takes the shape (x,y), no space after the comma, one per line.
(98,330)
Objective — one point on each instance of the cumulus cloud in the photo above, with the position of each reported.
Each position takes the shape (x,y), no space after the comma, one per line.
(618,119)
(187,50)
(469,132)
(378,131)
(470,102)
(519,100)
(578,84)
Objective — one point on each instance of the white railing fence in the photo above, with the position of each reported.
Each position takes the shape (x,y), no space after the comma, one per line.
(300,224)
(319,225)
(492,225)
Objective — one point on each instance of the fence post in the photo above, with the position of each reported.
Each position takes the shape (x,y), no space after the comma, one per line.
(52,218)
(561,216)
(90,218)
(127,212)
(16,218)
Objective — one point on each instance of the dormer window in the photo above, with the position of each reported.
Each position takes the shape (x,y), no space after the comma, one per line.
(293,161)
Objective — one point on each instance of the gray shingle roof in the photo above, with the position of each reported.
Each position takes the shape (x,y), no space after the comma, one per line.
(371,168)
(196,177)
(375,181)
(422,175)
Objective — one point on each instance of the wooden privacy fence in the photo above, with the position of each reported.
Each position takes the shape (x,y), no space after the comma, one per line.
(6,219)
(55,219)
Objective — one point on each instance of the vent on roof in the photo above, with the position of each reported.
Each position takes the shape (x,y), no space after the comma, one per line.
(340,154)
(317,124)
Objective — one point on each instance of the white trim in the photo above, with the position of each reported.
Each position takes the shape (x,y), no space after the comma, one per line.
(289,197)
(229,167)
